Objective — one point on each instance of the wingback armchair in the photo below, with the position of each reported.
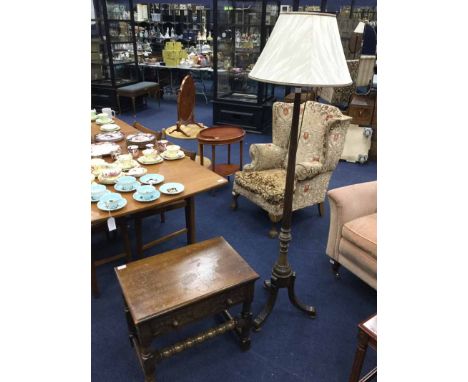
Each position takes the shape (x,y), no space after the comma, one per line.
(322,133)
(352,239)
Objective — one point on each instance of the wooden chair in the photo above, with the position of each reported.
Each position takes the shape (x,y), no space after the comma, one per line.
(161,211)
(186,104)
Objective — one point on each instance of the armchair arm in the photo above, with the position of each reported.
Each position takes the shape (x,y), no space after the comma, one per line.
(307,170)
(265,156)
(346,204)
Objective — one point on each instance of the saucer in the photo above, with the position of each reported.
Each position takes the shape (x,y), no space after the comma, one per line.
(102,206)
(137,171)
(172,188)
(152,179)
(180,155)
(109,127)
(131,165)
(104,180)
(96,200)
(118,187)
(143,160)
(139,198)
(104,121)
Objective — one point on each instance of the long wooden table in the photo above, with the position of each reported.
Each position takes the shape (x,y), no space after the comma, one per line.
(195,178)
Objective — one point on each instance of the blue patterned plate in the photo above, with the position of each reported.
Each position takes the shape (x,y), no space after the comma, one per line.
(172,188)
(152,179)
(139,198)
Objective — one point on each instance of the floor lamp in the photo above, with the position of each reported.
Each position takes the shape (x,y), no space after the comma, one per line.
(304,50)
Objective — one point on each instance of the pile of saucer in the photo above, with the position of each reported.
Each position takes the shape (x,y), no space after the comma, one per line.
(110,175)
(103,119)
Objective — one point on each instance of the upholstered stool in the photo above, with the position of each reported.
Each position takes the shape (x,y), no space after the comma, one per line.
(144,88)
(166,292)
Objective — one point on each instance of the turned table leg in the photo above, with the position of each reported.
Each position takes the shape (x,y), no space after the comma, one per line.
(359,356)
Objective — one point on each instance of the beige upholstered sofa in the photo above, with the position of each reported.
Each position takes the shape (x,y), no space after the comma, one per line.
(321,141)
(352,239)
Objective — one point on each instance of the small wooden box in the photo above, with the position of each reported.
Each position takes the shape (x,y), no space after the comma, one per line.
(361,108)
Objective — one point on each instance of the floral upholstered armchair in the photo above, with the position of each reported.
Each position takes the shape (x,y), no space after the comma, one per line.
(341,96)
(322,134)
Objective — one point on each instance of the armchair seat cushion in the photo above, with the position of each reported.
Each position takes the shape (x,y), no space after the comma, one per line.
(363,233)
(269,184)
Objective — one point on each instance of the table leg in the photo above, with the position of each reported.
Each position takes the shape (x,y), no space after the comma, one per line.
(139,239)
(245,331)
(126,240)
(94,284)
(147,357)
(359,356)
(241,149)
(213,156)
(229,153)
(200,152)
(130,326)
(190,219)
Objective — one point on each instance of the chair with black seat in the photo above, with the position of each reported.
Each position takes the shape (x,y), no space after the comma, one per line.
(159,210)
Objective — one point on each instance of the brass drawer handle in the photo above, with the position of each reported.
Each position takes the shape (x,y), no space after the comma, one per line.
(229,302)
(175,323)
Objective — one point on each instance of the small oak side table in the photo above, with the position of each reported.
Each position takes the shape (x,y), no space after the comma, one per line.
(221,135)
(367,336)
(168,291)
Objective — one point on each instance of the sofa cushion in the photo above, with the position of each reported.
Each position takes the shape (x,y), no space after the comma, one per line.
(363,233)
(269,184)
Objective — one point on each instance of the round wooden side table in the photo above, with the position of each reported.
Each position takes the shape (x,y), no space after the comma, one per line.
(221,135)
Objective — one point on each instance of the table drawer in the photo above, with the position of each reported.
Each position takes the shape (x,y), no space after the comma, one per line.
(360,115)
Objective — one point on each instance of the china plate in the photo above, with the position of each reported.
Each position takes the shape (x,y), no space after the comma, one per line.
(106,121)
(103,148)
(102,206)
(152,179)
(139,198)
(119,188)
(142,160)
(113,180)
(96,200)
(109,127)
(137,171)
(180,155)
(172,188)
(110,136)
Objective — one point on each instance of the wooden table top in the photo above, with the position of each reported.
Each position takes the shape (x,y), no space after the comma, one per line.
(221,134)
(194,177)
(170,280)
(370,326)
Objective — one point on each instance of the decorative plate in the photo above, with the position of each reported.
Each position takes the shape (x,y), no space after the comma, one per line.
(152,179)
(172,188)
(103,148)
(137,171)
(104,180)
(143,160)
(140,139)
(119,188)
(102,205)
(107,128)
(138,197)
(180,155)
(114,136)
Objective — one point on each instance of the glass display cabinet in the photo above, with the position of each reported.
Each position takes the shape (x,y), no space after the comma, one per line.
(113,50)
(241,29)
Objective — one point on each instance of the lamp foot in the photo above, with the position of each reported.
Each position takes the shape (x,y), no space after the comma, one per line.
(310,310)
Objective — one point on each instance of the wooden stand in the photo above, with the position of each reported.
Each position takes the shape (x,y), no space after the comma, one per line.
(282,276)
(186,105)
(163,293)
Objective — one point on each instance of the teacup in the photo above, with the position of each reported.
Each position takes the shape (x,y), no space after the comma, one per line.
(149,153)
(162,144)
(93,113)
(111,200)
(103,116)
(172,151)
(111,172)
(97,190)
(146,191)
(108,112)
(133,150)
(125,159)
(126,182)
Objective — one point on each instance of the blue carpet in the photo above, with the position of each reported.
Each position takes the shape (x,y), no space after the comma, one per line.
(291,346)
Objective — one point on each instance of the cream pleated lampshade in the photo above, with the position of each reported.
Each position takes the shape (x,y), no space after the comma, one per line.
(304,50)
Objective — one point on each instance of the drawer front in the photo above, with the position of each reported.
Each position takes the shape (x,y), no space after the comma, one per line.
(361,116)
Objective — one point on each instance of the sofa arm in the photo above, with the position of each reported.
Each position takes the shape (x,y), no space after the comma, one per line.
(346,204)
(265,156)
(307,170)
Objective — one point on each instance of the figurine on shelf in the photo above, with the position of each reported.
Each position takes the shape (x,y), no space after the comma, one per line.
(209,38)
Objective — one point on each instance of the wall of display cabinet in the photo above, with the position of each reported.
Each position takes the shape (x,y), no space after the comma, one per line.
(241,29)
(113,50)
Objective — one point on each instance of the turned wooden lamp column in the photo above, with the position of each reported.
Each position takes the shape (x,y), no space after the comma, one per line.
(303,51)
